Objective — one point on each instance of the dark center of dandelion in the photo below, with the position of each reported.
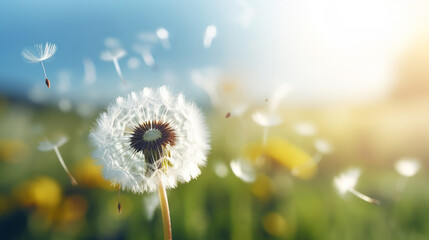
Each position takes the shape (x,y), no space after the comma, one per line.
(151,139)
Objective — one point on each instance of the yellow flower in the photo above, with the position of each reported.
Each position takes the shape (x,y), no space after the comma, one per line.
(42,192)
(12,150)
(286,154)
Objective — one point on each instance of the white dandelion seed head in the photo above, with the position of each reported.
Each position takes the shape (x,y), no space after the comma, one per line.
(47,145)
(407,167)
(267,119)
(347,181)
(243,170)
(39,52)
(134,154)
(110,55)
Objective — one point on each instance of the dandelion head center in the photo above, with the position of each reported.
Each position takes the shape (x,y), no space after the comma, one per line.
(151,138)
(152,135)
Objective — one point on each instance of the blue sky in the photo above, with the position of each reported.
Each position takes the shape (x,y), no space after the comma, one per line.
(325,51)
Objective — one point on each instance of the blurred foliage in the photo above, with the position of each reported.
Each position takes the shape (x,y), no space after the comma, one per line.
(37,200)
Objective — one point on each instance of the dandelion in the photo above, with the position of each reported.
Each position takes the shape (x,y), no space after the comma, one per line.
(49,146)
(114,55)
(149,141)
(210,34)
(346,182)
(406,167)
(163,35)
(40,54)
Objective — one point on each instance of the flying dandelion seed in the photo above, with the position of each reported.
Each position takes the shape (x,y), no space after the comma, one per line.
(111,42)
(305,129)
(266,120)
(220,169)
(89,68)
(40,54)
(243,170)
(163,36)
(210,34)
(133,63)
(114,55)
(146,55)
(49,146)
(346,182)
(149,141)
(406,167)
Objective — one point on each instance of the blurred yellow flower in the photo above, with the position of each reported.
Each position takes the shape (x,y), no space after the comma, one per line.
(12,150)
(90,175)
(263,188)
(42,192)
(73,208)
(275,224)
(286,154)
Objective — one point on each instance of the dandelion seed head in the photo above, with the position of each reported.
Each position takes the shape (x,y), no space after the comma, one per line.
(347,181)
(39,52)
(149,135)
(47,145)
(407,167)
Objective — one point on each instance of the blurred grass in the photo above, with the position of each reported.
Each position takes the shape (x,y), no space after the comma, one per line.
(276,206)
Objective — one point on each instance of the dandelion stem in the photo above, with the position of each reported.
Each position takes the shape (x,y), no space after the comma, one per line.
(364,197)
(73,181)
(44,71)
(164,210)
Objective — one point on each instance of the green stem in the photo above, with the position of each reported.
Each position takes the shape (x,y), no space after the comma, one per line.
(164,210)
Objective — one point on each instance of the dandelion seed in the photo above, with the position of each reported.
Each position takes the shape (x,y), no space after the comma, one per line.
(49,146)
(210,34)
(149,141)
(243,170)
(133,63)
(266,120)
(163,36)
(220,169)
(146,55)
(346,182)
(89,68)
(40,54)
(407,167)
(111,42)
(305,129)
(114,55)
